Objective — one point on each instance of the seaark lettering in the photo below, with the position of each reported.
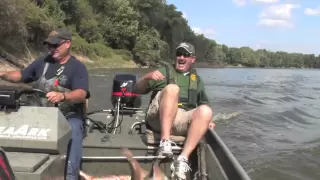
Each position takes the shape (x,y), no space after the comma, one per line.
(24,132)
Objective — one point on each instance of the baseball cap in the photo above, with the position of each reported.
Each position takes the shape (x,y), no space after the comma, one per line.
(188,47)
(58,35)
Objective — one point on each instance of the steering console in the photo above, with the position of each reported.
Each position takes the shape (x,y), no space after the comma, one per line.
(10,99)
(32,91)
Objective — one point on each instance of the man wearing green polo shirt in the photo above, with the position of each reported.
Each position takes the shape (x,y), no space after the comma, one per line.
(179,105)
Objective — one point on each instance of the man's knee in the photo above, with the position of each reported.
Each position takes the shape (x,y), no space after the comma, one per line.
(204,112)
(171,88)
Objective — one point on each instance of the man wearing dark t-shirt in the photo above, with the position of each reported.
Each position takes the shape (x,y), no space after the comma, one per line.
(65,81)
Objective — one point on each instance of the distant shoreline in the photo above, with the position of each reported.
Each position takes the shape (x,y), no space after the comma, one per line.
(6,66)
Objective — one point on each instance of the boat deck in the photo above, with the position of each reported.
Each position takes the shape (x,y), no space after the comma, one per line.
(102,151)
(214,158)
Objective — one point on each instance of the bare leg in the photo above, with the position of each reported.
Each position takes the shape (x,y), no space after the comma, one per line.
(168,109)
(201,118)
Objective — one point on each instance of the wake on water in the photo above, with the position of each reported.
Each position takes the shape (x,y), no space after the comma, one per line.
(225,116)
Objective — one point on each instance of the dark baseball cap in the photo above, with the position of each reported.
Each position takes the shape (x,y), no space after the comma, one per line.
(58,35)
(188,47)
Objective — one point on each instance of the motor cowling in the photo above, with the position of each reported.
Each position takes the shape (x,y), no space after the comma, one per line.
(123,87)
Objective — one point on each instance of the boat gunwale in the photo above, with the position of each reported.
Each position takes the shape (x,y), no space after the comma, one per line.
(211,136)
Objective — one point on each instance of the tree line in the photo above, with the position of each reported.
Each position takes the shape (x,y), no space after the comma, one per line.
(146,31)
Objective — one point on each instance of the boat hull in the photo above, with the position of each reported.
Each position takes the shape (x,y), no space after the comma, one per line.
(102,155)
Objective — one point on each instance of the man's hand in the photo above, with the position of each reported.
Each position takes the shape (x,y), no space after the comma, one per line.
(142,84)
(156,75)
(212,125)
(55,97)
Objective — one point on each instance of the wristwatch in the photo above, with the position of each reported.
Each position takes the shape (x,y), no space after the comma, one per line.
(64,97)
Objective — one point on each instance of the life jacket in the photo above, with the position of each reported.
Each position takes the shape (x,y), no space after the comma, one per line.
(67,108)
(189,102)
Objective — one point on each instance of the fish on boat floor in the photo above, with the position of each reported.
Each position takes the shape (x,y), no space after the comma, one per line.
(137,172)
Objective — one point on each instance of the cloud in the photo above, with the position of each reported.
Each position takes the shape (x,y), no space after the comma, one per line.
(279,15)
(207,32)
(275,22)
(242,3)
(266,1)
(261,44)
(312,12)
(280,11)
(184,15)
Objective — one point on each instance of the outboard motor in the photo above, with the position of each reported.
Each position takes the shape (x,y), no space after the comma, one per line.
(122,88)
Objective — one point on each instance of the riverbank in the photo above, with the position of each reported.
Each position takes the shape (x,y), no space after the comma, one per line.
(114,61)
(13,60)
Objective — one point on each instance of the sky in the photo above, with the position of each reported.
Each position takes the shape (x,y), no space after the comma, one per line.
(276,25)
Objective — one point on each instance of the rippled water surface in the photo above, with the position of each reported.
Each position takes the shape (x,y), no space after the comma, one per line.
(276,135)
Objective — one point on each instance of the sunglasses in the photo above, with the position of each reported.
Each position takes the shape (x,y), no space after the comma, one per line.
(56,45)
(53,45)
(178,54)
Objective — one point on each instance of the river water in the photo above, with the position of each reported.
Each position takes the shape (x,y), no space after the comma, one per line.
(276,132)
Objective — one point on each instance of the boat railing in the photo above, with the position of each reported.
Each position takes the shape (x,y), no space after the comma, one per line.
(227,160)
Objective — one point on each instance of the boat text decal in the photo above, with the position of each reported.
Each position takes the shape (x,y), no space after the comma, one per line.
(24,132)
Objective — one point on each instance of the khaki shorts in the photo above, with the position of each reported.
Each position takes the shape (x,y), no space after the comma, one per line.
(180,124)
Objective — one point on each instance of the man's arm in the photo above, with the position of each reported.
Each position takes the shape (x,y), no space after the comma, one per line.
(202,95)
(147,82)
(11,76)
(79,85)
(141,86)
(26,75)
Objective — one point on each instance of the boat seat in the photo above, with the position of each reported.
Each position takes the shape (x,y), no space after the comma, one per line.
(153,139)
(150,137)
